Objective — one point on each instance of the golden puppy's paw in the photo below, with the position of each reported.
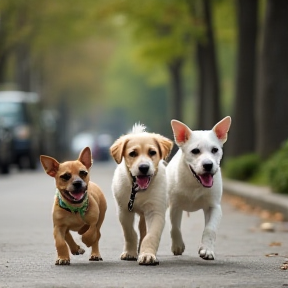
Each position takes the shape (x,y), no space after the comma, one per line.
(95,258)
(80,251)
(147,259)
(206,254)
(60,261)
(178,249)
(128,256)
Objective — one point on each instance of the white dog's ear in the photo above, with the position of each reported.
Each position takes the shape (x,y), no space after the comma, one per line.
(116,150)
(221,129)
(182,133)
(85,157)
(165,145)
(50,165)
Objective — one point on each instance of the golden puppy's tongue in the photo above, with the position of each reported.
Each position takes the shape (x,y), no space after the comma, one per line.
(143,182)
(206,180)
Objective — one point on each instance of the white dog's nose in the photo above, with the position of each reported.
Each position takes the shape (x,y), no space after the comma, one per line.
(208,166)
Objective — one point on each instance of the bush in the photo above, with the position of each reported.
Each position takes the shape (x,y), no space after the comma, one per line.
(277,170)
(243,167)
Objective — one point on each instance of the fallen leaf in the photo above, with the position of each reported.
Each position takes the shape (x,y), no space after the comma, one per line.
(275,244)
(272,255)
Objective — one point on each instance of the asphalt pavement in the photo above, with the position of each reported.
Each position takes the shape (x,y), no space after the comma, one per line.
(246,256)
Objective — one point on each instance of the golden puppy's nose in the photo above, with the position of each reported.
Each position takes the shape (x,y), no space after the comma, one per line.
(143,168)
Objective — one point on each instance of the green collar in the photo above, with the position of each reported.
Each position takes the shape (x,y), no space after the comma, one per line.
(81,210)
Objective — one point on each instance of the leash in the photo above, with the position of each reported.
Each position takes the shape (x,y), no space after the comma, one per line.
(134,190)
(81,210)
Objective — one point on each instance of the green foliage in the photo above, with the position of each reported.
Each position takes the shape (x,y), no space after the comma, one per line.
(277,170)
(243,167)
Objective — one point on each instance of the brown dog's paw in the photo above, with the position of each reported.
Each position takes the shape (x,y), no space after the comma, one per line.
(62,261)
(95,258)
(147,259)
(80,251)
(126,256)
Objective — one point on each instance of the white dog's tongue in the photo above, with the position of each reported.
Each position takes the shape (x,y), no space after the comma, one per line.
(143,182)
(206,180)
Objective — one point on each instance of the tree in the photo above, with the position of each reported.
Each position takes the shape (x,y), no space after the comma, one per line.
(242,137)
(272,88)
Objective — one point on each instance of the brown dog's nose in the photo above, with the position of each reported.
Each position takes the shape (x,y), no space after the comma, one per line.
(77,184)
(143,168)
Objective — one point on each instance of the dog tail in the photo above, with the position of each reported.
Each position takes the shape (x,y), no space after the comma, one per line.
(138,128)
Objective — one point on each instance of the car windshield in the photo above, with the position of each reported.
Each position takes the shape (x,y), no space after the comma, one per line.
(11,113)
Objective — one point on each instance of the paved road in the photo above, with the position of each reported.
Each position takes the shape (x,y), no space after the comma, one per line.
(28,254)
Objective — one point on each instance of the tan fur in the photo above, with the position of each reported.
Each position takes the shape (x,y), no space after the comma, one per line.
(64,221)
(130,151)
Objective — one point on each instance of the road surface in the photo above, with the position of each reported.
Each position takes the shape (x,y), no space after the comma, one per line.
(28,254)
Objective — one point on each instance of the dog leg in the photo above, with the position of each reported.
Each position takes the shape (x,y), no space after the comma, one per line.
(74,248)
(155,224)
(90,236)
(130,235)
(61,246)
(212,219)
(142,230)
(178,245)
(95,254)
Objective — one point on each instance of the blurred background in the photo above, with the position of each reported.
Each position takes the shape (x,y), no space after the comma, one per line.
(90,69)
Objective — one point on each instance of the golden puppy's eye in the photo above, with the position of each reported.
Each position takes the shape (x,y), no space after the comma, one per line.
(152,153)
(83,173)
(133,154)
(65,176)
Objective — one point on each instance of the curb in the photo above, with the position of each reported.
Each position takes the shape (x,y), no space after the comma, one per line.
(257,196)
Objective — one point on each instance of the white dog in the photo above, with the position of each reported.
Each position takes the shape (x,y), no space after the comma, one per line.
(139,186)
(194,181)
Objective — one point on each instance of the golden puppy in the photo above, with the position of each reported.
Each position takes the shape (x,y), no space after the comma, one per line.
(139,186)
(79,206)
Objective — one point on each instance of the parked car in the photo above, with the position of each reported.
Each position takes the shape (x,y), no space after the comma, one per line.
(5,148)
(21,114)
(101,147)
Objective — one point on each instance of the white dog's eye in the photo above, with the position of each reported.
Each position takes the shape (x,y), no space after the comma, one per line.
(214,150)
(133,154)
(195,151)
(152,152)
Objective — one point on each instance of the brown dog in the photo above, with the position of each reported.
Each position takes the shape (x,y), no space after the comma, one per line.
(79,206)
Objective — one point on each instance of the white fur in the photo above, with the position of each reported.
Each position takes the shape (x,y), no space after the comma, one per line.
(187,194)
(151,202)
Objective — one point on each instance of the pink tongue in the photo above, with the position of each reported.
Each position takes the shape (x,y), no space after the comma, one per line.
(78,196)
(206,180)
(143,181)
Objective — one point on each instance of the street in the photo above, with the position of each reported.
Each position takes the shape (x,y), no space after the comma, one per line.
(28,253)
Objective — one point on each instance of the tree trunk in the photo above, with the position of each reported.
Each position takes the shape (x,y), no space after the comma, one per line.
(242,136)
(208,94)
(272,94)
(175,71)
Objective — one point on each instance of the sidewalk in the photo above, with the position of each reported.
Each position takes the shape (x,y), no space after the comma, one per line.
(257,196)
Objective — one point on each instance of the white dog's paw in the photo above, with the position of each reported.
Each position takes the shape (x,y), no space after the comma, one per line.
(206,253)
(147,259)
(128,256)
(177,248)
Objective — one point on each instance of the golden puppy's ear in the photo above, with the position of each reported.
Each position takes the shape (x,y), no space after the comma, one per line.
(165,145)
(117,149)
(50,165)
(85,157)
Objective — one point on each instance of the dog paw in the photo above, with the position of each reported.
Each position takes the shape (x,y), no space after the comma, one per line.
(80,251)
(147,259)
(178,249)
(128,257)
(206,254)
(95,258)
(60,261)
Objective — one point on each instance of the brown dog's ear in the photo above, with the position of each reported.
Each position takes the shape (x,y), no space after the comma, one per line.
(116,150)
(165,145)
(50,165)
(221,129)
(85,157)
(181,132)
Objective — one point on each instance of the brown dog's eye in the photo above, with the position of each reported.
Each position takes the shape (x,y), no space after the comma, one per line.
(133,154)
(152,153)
(83,173)
(65,176)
